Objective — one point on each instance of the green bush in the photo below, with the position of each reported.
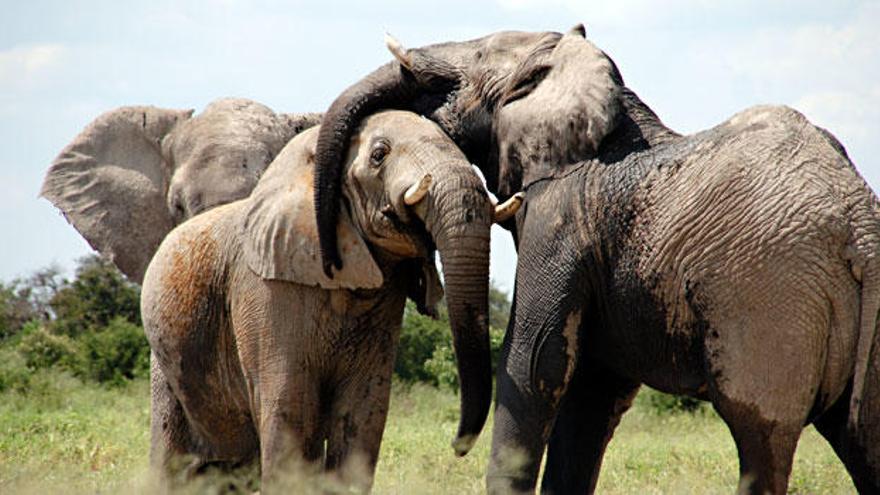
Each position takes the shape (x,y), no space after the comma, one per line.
(664,404)
(14,373)
(115,353)
(441,367)
(41,350)
(419,337)
(99,294)
(425,352)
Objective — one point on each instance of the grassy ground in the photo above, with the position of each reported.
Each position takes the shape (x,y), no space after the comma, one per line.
(65,436)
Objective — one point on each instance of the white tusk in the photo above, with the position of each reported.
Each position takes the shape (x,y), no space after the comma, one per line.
(509,208)
(398,51)
(417,191)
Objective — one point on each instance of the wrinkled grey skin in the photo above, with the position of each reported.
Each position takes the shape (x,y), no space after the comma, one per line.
(737,265)
(258,355)
(142,170)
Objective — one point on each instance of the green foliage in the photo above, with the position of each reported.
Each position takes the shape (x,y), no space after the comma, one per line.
(499,308)
(419,336)
(99,294)
(14,373)
(41,349)
(425,353)
(89,327)
(665,404)
(115,353)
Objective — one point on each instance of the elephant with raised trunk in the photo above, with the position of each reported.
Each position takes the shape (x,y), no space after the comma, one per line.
(260,355)
(135,172)
(737,265)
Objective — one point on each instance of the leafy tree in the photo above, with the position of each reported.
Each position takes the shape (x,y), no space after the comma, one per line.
(115,353)
(97,295)
(419,337)
(425,351)
(42,349)
(499,307)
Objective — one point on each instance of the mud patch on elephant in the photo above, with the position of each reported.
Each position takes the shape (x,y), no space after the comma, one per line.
(187,282)
(556,358)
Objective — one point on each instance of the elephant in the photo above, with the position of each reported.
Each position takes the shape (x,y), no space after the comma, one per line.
(154,167)
(261,356)
(736,265)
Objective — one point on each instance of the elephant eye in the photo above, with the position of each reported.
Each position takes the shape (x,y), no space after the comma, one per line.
(378,152)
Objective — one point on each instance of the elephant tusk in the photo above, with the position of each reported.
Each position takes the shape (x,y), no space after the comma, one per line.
(509,208)
(417,191)
(398,51)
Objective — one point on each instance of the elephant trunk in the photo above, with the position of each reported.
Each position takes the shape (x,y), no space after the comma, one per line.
(389,86)
(460,227)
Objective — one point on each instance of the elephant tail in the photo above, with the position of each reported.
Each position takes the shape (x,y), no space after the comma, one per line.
(870,305)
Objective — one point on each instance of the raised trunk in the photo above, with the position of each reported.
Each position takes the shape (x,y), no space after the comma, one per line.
(460,219)
(389,86)
(381,88)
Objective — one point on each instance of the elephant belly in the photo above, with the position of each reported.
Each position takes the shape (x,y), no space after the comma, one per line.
(636,336)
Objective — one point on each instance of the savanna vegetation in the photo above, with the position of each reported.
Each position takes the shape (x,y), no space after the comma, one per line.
(74,407)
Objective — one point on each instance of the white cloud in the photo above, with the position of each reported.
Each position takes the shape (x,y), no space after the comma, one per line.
(26,64)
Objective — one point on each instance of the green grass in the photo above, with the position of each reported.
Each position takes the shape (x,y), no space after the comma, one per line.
(68,437)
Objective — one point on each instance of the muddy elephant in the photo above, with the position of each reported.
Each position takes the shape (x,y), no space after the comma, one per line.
(262,356)
(143,170)
(738,265)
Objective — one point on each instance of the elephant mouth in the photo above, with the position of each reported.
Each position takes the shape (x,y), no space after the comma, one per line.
(404,237)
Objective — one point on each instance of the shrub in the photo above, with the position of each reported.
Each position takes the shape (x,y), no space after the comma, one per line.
(41,349)
(441,367)
(664,404)
(419,337)
(14,373)
(99,294)
(115,353)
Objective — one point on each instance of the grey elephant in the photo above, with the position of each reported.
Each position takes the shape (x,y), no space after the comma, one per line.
(142,170)
(259,355)
(737,265)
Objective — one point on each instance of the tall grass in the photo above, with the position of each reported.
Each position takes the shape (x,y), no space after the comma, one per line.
(65,436)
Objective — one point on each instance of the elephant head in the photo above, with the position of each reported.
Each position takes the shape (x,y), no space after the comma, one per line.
(135,172)
(550,97)
(406,190)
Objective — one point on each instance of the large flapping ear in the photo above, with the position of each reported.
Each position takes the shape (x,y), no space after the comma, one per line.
(568,97)
(110,182)
(280,232)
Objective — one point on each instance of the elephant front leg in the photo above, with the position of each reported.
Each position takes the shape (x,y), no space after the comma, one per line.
(590,411)
(356,428)
(537,363)
(291,440)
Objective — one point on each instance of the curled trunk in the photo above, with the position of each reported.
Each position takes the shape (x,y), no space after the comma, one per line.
(389,86)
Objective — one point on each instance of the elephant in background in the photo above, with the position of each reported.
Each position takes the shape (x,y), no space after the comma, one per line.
(139,171)
(261,355)
(737,265)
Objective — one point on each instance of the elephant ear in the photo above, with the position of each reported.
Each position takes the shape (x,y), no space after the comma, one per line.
(558,106)
(426,290)
(280,232)
(110,183)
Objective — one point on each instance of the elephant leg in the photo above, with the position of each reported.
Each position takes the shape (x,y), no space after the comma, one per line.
(588,415)
(291,438)
(766,452)
(534,371)
(764,395)
(356,428)
(171,445)
(858,450)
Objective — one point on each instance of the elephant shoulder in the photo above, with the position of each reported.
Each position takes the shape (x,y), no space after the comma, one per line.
(190,259)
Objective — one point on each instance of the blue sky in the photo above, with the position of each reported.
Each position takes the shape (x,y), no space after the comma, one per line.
(696,62)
